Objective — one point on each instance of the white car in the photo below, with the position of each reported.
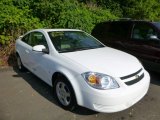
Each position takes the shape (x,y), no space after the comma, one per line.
(81,70)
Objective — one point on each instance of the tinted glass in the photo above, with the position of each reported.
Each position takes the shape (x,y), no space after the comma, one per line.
(69,41)
(143,32)
(118,30)
(26,38)
(157,24)
(37,38)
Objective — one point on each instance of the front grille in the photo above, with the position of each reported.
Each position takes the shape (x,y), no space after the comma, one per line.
(133,78)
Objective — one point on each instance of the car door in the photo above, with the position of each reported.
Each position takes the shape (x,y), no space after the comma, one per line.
(142,43)
(24,50)
(39,60)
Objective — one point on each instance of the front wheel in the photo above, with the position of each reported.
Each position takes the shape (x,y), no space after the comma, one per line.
(64,93)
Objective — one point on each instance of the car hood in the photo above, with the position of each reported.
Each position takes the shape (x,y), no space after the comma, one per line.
(106,60)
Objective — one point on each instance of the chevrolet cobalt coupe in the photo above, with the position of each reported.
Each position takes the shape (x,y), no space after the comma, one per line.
(81,70)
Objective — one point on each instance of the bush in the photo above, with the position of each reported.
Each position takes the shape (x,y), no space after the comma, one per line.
(80,16)
(15,21)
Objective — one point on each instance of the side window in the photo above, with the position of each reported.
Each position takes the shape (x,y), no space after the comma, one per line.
(100,30)
(37,38)
(26,38)
(143,32)
(118,30)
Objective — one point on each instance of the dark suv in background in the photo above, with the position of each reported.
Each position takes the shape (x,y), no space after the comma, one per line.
(139,38)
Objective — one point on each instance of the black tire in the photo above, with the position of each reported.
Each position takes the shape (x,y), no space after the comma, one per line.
(64,93)
(20,65)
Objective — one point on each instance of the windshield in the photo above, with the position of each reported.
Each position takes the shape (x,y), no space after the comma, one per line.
(70,41)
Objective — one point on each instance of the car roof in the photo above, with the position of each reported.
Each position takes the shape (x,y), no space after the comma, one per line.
(49,30)
(127,21)
(131,20)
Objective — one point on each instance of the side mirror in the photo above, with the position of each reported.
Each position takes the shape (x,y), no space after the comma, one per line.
(20,37)
(153,37)
(40,48)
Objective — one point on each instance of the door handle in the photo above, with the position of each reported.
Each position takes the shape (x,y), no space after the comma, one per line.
(26,51)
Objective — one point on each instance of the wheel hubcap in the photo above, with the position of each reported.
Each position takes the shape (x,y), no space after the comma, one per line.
(63,93)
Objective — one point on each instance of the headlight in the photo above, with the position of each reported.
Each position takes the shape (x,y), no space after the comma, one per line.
(100,81)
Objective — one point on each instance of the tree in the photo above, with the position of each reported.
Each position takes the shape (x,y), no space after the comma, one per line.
(143,9)
(70,14)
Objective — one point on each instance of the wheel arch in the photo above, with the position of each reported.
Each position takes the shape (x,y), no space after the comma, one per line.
(70,80)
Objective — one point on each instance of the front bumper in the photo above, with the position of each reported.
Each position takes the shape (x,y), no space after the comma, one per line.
(115,100)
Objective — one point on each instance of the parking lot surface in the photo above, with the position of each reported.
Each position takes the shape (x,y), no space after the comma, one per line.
(23,96)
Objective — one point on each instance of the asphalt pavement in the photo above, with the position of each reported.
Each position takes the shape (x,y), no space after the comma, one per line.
(23,96)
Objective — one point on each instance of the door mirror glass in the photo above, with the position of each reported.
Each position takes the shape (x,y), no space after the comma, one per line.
(20,37)
(38,48)
(153,37)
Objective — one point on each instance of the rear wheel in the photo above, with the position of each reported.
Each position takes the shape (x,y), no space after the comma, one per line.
(19,64)
(64,93)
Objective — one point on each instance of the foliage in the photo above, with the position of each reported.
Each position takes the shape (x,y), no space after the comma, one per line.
(74,15)
(111,5)
(15,21)
(143,9)
(70,14)
(136,9)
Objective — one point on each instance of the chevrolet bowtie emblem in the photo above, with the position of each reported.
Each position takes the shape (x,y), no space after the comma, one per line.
(137,76)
